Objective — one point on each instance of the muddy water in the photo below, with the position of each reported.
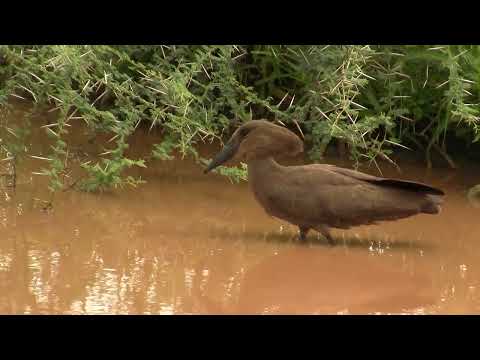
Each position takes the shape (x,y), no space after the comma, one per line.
(186,243)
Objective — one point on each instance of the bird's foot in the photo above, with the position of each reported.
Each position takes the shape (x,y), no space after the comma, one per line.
(302,235)
(330,241)
(326,234)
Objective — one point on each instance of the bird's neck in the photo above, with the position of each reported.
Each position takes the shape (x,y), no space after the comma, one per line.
(263,169)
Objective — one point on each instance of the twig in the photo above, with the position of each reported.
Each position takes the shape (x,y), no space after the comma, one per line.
(73,184)
(445,156)
(385,157)
(14,170)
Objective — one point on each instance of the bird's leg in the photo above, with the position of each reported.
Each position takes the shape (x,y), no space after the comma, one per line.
(326,234)
(303,233)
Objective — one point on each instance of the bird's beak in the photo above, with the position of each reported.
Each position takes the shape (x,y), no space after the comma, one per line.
(228,151)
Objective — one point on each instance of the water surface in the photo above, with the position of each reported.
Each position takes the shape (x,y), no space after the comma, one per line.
(186,243)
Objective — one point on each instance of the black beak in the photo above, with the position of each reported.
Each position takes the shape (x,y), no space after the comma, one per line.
(223,156)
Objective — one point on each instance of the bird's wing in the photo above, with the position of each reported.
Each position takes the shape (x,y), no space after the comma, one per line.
(322,194)
(400,184)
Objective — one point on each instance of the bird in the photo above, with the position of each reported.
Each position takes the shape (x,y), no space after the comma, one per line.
(319,196)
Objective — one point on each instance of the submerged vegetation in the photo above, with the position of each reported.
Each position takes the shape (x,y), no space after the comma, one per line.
(369,101)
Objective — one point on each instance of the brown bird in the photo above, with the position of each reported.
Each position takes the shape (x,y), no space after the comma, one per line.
(319,196)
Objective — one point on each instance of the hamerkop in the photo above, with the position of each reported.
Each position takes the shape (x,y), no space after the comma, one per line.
(319,196)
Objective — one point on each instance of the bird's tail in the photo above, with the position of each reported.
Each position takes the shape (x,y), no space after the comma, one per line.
(432,205)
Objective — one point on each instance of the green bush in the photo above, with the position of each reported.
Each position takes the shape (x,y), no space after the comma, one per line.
(373,99)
